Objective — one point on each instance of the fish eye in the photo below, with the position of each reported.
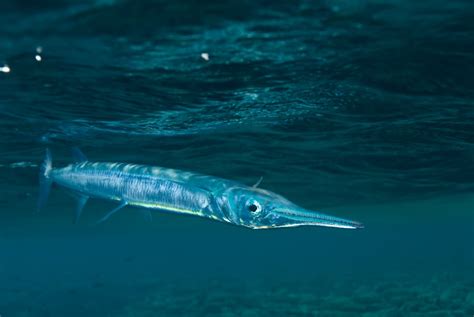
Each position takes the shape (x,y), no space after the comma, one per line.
(254,206)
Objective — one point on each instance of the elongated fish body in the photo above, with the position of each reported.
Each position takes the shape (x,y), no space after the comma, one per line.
(144,186)
(156,188)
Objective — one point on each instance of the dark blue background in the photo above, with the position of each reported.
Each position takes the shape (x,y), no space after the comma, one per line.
(361,109)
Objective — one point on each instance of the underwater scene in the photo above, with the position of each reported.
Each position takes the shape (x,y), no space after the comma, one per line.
(236,158)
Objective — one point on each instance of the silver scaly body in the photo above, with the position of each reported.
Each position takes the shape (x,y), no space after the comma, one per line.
(144,186)
(156,188)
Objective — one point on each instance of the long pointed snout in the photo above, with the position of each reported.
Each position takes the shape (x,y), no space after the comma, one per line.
(292,217)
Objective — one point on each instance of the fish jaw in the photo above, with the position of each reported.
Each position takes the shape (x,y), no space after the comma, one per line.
(295,217)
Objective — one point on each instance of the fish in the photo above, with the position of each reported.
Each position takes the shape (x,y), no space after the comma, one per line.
(175,191)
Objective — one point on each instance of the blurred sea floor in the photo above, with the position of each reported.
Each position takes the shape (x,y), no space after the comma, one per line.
(184,266)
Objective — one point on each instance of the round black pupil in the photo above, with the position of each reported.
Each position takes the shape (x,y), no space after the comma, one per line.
(253,208)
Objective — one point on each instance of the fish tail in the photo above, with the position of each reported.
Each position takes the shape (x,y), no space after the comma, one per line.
(45,180)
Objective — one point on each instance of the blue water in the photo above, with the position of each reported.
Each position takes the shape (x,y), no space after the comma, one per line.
(361,109)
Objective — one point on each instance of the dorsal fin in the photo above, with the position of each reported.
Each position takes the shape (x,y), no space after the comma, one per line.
(78,156)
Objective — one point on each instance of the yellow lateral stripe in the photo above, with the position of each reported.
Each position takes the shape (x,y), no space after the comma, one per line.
(164,207)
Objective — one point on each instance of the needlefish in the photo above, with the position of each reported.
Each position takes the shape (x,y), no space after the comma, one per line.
(175,191)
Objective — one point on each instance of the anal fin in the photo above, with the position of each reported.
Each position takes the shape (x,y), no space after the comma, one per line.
(81,202)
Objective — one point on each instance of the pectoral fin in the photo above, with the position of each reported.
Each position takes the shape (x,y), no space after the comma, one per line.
(110,213)
(258,182)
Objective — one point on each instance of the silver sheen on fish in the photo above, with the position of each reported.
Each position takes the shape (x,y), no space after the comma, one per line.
(163,189)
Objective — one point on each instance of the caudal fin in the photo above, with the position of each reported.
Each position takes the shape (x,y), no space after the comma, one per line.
(45,180)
